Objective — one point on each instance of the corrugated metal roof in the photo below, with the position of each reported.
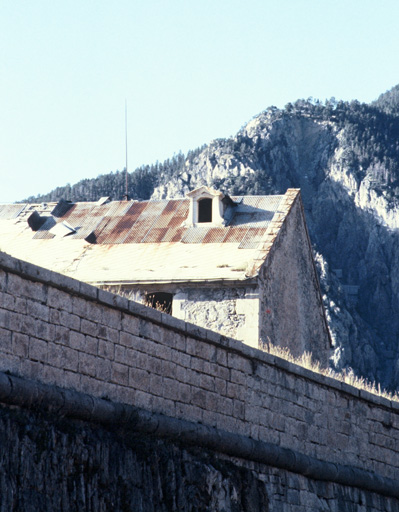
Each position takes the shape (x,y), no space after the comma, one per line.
(131,241)
(10,211)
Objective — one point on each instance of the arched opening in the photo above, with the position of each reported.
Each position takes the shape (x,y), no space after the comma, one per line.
(162,301)
(205,210)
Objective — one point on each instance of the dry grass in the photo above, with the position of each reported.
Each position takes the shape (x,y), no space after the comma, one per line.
(348,376)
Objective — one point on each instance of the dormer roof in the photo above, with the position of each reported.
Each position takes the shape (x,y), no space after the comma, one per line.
(204,192)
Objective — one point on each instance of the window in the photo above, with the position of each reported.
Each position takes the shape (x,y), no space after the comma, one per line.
(162,301)
(205,210)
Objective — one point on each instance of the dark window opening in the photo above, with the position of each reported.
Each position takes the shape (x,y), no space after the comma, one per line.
(205,210)
(162,301)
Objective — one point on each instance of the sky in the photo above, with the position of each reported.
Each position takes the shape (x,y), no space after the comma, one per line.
(190,71)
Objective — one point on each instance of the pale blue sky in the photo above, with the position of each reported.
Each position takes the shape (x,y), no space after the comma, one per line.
(191,71)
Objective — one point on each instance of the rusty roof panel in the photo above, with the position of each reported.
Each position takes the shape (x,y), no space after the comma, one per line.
(194,235)
(155,235)
(215,236)
(105,231)
(235,234)
(11,211)
(117,208)
(145,221)
(252,238)
(174,234)
(116,232)
(168,213)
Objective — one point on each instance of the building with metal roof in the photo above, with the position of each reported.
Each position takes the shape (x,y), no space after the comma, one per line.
(241,266)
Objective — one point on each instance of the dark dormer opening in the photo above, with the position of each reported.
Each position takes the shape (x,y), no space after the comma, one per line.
(162,301)
(205,210)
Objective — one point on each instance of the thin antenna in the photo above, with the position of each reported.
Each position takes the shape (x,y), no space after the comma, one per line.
(126,171)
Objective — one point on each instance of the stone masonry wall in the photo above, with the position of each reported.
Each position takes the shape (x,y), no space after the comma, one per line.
(292,313)
(60,331)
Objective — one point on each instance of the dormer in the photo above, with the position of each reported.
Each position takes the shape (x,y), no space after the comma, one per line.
(206,207)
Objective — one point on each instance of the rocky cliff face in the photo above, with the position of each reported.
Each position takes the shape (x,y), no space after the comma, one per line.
(345,160)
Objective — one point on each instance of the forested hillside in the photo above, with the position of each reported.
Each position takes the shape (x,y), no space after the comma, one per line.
(345,158)
(141,182)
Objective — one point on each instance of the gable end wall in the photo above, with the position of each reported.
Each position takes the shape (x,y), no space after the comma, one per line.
(291,308)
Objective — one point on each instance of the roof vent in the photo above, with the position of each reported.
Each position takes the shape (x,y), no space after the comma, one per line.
(35,221)
(61,208)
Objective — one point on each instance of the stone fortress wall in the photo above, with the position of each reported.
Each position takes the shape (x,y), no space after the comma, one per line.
(314,443)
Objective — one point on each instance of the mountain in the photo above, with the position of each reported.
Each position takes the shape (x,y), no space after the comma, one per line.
(345,158)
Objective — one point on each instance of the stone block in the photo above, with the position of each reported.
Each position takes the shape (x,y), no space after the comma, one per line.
(130,324)
(163,405)
(198,397)
(87,290)
(111,318)
(3,280)
(91,345)
(20,344)
(53,375)
(184,393)
(127,340)
(188,412)
(87,327)
(143,399)
(150,330)
(155,382)
(106,349)
(239,409)
(170,389)
(120,374)
(108,333)
(69,320)
(59,299)
(200,365)
(162,351)
(87,364)
(37,310)
(104,369)
(76,340)
(79,306)
(95,312)
(38,350)
(180,373)
(70,359)
(44,330)
(21,287)
(207,382)
(153,364)
(240,363)
(181,359)
(169,369)
(120,354)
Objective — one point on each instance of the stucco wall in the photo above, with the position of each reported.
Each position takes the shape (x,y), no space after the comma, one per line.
(291,309)
(63,332)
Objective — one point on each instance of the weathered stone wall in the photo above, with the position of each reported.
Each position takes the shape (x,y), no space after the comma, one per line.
(52,464)
(232,311)
(59,331)
(287,278)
